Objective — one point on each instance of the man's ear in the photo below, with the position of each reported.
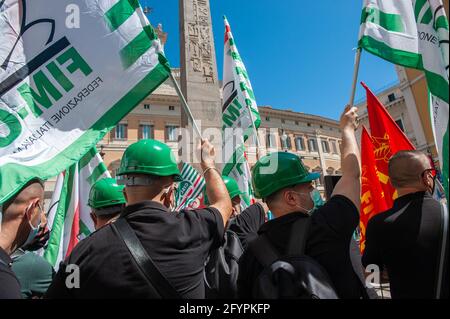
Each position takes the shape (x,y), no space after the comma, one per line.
(94,219)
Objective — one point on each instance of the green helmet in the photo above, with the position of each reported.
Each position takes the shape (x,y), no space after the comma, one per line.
(232,188)
(288,171)
(149,157)
(106,192)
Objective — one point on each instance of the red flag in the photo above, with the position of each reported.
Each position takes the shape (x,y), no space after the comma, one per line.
(372,196)
(387,139)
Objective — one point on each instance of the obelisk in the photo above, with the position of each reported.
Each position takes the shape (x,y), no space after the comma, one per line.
(199,78)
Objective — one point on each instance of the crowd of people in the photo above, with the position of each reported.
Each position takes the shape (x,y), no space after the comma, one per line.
(143,249)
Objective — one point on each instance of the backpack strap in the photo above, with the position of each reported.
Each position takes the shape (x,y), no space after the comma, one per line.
(159,285)
(441,257)
(299,235)
(263,250)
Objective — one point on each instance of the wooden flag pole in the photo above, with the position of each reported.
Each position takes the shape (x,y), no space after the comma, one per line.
(355,76)
(185,105)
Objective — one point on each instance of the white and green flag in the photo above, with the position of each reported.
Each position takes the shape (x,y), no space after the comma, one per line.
(415,34)
(69,71)
(240,113)
(69,218)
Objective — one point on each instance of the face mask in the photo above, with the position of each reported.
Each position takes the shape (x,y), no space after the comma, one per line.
(316,199)
(33,231)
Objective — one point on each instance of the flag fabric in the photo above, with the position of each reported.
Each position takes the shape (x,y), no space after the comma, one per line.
(387,138)
(372,196)
(63,88)
(415,34)
(189,194)
(240,116)
(69,218)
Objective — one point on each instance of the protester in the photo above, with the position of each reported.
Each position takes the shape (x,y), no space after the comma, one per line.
(406,239)
(20,223)
(233,191)
(282,181)
(106,200)
(177,242)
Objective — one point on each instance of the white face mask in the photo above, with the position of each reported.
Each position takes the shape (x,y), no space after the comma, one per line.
(34,230)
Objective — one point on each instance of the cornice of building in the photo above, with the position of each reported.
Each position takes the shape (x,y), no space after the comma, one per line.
(268,110)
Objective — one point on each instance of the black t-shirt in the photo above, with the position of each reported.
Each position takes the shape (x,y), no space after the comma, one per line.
(406,239)
(332,227)
(9,284)
(247,223)
(178,243)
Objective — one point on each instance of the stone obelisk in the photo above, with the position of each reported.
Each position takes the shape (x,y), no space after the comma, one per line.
(199,78)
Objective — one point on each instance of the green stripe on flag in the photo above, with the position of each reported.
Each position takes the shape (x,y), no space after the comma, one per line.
(87,158)
(54,243)
(389,21)
(96,173)
(84,229)
(418,7)
(382,50)
(120,12)
(437,85)
(426,19)
(138,46)
(441,23)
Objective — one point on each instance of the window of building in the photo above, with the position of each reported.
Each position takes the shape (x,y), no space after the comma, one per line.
(334,147)
(283,121)
(171,131)
(267,119)
(121,131)
(312,145)
(325,147)
(299,144)
(391,97)
(400,124)
(309,124)
(321,126)
(146,106)
(270,139)
(171,108)
(285,142)
(296,122)
(146,131)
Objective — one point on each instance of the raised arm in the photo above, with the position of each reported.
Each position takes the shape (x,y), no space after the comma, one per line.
(215,187)
(350,183)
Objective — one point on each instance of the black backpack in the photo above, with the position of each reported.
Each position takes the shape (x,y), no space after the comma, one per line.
(222,269)
(293,276)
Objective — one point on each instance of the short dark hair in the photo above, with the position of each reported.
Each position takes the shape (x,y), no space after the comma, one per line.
(405,167)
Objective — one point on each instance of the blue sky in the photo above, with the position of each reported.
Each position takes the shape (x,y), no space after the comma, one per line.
(298,53)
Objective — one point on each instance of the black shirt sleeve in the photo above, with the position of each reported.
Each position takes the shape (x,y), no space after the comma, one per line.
(247,223)
(58,288)
(372,253)
(210,224)
(9,285)
(340,214)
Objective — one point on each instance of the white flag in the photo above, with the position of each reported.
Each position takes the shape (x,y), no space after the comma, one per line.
(63,86)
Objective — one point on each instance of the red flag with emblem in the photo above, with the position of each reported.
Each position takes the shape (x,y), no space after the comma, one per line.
(387,139)
(372,196)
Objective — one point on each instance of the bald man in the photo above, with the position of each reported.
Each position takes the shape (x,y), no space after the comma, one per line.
(406,239)
(21,217)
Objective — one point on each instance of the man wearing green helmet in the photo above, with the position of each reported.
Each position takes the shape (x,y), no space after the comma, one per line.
(106,201)
(177,243)
(233,191)
(282,181)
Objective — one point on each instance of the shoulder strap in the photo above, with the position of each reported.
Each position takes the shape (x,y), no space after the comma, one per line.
(299,234)
(158,283)
(263,250)
(441,258)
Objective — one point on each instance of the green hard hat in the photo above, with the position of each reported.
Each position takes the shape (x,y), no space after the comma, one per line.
(288,170)
(232,188)
(149,157)
(106,192)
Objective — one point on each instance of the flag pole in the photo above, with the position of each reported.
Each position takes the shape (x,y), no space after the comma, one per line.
(185,105)
(355,76)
